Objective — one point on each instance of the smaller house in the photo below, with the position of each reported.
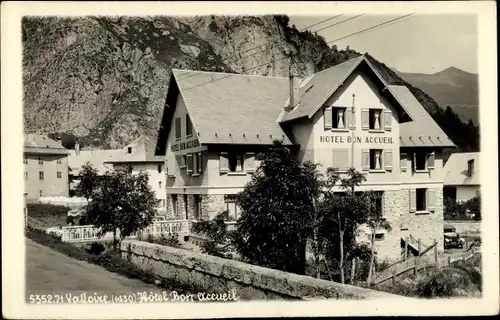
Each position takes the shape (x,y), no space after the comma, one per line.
(461,180)
(96,158)
(140,156)
(45,167)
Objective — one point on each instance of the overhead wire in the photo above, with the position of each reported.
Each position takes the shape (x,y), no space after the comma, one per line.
(366,30)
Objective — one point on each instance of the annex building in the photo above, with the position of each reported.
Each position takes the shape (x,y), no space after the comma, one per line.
(45,167)
(215,125)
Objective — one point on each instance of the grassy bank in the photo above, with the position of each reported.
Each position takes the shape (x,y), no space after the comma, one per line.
(48,214)
(458,280)
(106,257)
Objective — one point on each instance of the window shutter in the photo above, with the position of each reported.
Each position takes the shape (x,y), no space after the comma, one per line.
(250,162)
(223,162)
(171,166)
(195,163)
(328,117)
(340,159)
(431,199)
(388,160)
(189,160)
(387,120)
(430,160)
(366,159)
(200,162)
(413,200)
(365,119)
(403,161)
(178,127)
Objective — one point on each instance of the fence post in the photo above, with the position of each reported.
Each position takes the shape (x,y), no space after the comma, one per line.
(436,253)
(466,240)
(406,248)
(449,261)
(394,275)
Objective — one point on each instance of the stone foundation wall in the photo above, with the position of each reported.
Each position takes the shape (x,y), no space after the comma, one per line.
(426,226)
(390,247)
(216,275)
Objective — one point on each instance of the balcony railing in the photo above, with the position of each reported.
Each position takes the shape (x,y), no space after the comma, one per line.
(91,233)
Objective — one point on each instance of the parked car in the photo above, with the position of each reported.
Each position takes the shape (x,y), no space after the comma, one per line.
(452,238)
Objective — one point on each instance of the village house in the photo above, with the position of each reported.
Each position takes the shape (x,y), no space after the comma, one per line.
(140,156)
(216,125)
(45,167)
(461,179)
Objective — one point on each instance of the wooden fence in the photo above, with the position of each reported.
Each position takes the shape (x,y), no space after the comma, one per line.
(420,262)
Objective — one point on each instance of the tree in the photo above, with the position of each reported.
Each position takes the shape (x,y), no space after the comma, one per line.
(343,213)
(68,140)
(123,202)
(89,181)
(375,222)
(274,225)
(218,241)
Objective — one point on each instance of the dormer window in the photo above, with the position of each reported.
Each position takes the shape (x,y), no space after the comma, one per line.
(189,126)
(470,167)
(129,150)
(338,118)
(375,119)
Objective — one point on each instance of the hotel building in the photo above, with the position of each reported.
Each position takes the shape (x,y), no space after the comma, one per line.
(45,168)
(215,126)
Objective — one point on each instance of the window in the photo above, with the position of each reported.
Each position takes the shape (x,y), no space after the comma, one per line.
(379,236)
(40,161)
(420,161)
(25,175)
(159,185)
(189,126)
(41,193)
(375,159)
(186,206)
(470,167)
(197,209)
(178,128)
(25,160)
(235,162)
(375,121)
(40,175)
(59,160)
(377,203)
(174,205)
(59,175)
(338,118)
(421,199)
(184,161)
(159,168)
(232,207)
(129,150)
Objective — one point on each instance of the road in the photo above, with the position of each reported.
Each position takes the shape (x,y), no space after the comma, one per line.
(51,272)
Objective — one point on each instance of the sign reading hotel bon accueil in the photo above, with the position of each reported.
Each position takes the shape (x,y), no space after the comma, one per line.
(350,139)
(185,145)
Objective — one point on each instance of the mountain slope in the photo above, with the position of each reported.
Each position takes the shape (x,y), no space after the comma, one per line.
(450,87)
(105,79)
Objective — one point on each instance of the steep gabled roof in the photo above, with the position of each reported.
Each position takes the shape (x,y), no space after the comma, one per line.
(97,158)
(423,131)
(325,83)
(455,169)
(143,150)
(228,108)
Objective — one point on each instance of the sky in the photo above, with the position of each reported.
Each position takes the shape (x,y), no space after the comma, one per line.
(422,43)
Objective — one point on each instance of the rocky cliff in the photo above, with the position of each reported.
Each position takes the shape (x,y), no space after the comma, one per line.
(105,79)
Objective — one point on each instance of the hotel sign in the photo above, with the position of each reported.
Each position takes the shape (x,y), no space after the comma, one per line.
(185,145)
(350,139)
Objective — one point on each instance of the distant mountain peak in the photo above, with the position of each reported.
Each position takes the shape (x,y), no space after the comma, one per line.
(454,71)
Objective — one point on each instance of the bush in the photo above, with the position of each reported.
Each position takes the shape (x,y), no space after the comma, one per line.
(96,248)
(42,210)
(171,240)
(219,240)
(448,282)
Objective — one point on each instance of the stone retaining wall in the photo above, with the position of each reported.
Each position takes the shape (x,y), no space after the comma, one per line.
(216,275)
(473,227)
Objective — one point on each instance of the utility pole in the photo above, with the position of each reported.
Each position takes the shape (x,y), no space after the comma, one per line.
(353,115)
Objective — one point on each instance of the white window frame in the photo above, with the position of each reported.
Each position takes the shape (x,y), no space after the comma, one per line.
(371,113)
(336,111)
(414,161)
(381,158)
(426,207)
(241,160)
(59,175)
(230,200)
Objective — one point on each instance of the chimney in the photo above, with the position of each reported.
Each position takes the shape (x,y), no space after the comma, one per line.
(470,167)
(77,149)
(294,91)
